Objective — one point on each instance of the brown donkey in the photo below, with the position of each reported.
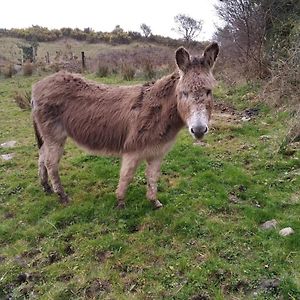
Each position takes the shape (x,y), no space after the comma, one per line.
(135,122)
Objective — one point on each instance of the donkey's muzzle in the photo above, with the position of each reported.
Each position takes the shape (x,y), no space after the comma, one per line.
(199,131)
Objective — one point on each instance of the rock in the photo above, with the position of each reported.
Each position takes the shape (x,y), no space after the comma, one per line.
(200,143)
(8,144)
(246,119)
(286,231)
(8,156)
(269,284)
(269,224)
(265,138)
(233,198)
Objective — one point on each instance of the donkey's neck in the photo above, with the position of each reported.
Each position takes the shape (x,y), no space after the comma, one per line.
(158,120)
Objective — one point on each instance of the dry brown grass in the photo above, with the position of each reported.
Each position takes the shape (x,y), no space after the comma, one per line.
(127,71)
(8,70)
(28,68)
(23,99)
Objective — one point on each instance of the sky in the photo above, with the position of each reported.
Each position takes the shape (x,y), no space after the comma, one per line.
(105,15)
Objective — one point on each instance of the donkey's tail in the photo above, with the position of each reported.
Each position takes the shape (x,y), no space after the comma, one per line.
(38,136)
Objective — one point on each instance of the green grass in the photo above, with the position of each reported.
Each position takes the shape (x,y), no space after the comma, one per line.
(199,245)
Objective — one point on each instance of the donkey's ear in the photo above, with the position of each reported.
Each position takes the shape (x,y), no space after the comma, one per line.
(210,54)
(182,59)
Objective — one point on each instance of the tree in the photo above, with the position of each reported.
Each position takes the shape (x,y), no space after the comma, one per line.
(146,30)
(188,27)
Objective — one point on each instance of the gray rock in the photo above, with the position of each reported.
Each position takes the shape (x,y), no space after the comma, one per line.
(8,144)
(8,156)
(286,231)
(269,224)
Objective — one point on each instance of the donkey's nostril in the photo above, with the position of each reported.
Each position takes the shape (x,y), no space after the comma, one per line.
(199,131)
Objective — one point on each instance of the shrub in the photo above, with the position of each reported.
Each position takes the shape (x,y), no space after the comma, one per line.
(102,70)
(148,70)
(27,68)
(23,99)
(8,70)
(127,72)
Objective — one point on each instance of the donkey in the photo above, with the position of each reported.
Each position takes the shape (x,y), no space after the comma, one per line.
(137,122)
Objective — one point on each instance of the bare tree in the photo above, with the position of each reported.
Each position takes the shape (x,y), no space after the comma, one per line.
(188,27)
(146,30)
(245,32)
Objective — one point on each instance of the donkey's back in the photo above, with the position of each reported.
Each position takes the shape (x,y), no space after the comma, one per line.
(95,116)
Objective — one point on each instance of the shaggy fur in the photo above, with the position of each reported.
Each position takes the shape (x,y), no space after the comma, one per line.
(135,122)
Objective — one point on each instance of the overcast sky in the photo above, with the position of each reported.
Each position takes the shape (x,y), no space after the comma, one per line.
(104,15)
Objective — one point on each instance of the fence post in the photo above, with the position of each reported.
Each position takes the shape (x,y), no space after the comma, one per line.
(83,60)
(47,58)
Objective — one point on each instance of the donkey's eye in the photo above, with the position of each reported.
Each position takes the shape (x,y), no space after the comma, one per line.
(185,93)
(208,93)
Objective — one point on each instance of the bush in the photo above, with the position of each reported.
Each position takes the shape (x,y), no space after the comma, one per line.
(102,70)
(28,68)
(23,99)
(148,70)
(127,72)
(8,70)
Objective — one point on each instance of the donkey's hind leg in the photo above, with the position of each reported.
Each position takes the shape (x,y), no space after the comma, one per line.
(53,154)
(43,174)
(128,167)
(152,174)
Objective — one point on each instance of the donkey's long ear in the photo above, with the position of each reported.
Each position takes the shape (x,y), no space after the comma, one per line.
(210,54)
(182,59)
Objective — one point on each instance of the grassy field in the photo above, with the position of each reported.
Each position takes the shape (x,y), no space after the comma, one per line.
(206,242)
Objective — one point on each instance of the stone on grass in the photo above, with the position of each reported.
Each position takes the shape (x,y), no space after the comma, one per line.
(8,156)
(269,224)
(8,144)
(286,231)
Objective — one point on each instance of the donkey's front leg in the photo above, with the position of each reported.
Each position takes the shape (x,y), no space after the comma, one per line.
(128,167)
(152,174)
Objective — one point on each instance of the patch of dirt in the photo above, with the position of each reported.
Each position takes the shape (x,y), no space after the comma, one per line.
(9,215)
(65,277)
(201,296)
(69,250)
(102,256)
(53,257)
(222,107)
(97,287)
(2,259)
(31,253)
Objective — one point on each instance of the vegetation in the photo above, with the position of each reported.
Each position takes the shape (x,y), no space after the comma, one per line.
(188,27)
(206,243)
(117,36)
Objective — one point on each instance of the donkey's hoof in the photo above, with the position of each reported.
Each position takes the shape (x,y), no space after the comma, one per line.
(64,199)
(47,189)
(120,205)
(157,204)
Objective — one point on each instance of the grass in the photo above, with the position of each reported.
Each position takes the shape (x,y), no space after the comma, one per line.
(199,246)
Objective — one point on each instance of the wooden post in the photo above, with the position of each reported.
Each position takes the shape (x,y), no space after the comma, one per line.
(47,58)
(83,60)
(33,54)
(22,56)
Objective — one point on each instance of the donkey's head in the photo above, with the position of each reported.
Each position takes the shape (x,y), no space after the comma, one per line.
(194,89)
